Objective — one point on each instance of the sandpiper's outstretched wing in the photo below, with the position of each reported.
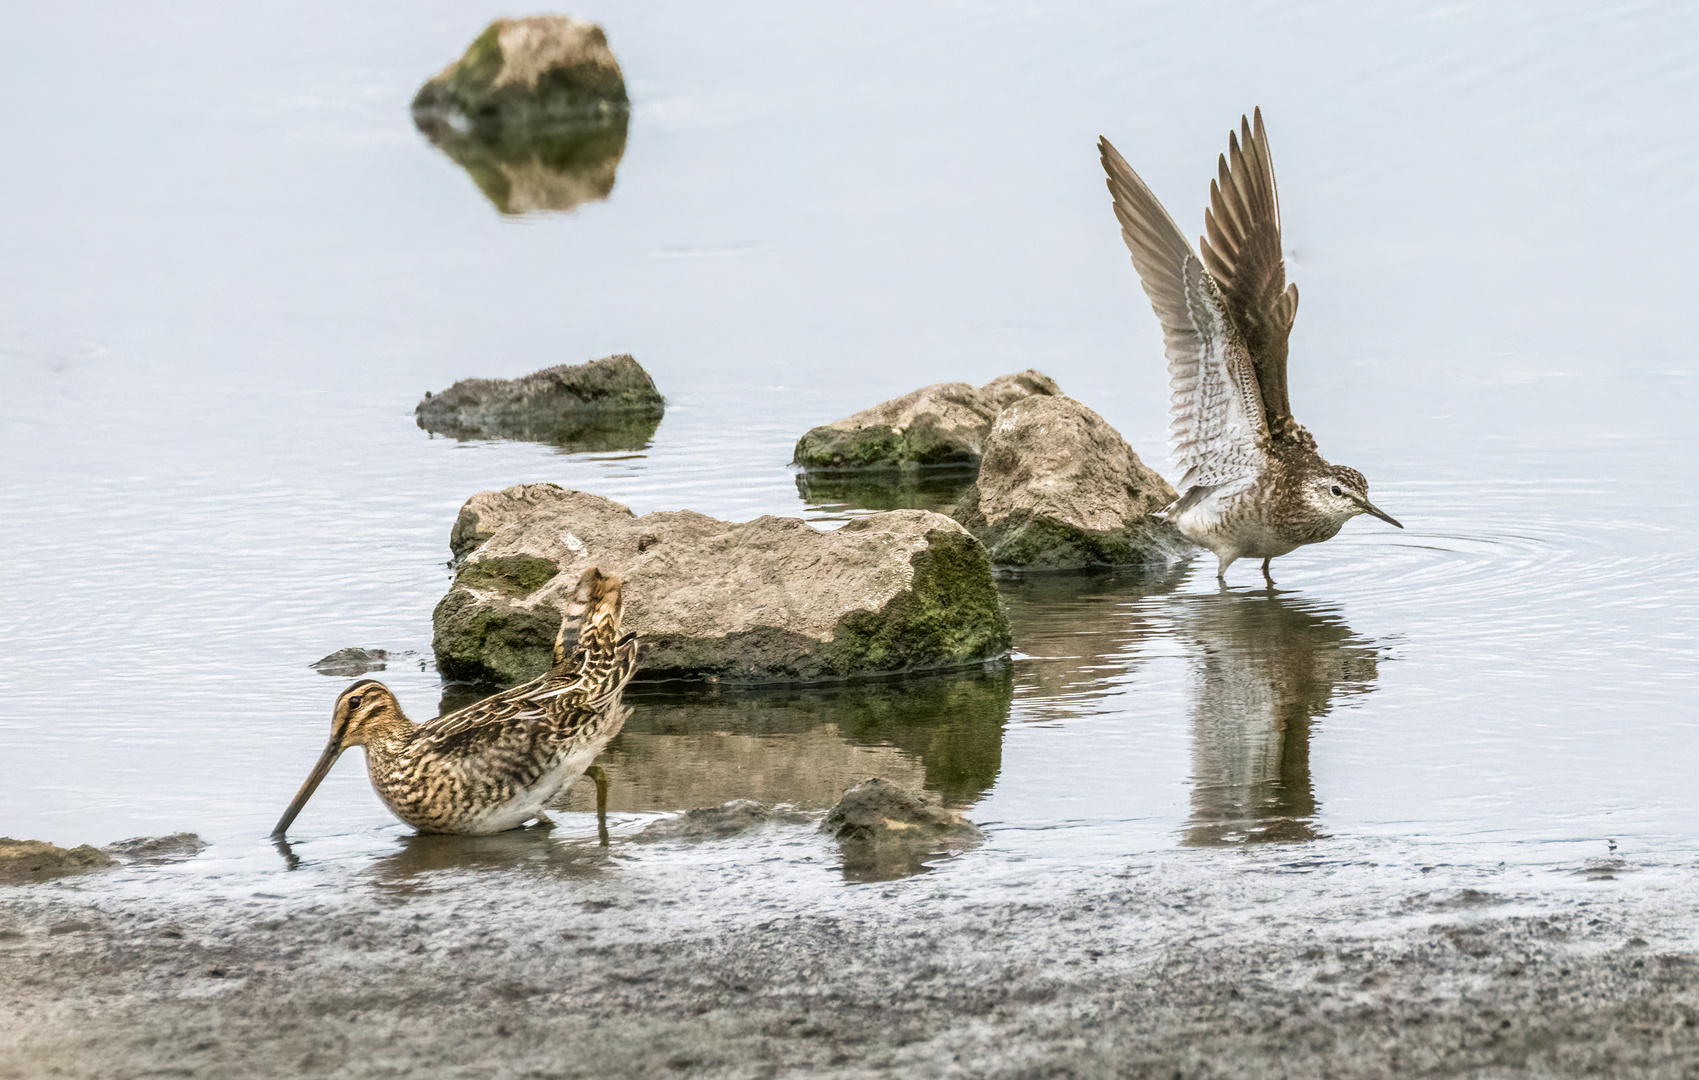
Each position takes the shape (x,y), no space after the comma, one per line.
(1216,408)
(1242,252)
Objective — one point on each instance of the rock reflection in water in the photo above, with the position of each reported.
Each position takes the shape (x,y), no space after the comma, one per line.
(1265,668)
(935,489)
(803,746)
(534,170)
(1079,633)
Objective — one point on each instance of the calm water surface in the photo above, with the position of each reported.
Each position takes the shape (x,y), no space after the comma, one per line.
(231,267)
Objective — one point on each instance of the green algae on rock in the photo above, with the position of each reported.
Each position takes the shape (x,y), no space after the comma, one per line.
(605,405)
(940,425)
(1060,489)
(767,601)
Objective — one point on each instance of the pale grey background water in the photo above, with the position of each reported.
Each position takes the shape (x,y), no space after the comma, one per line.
(231,267)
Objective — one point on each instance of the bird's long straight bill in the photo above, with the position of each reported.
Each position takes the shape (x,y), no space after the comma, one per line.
(332,751)
(1371,508)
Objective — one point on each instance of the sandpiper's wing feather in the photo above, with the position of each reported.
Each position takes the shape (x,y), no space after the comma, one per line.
(593,662)
(1241,250)
(1217,414)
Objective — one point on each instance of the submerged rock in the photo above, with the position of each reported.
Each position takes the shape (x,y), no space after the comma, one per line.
(149,850)
(24,861)
(1060,489)
(942,424)
(771,600)
(719,822)
(604,405)
(886,831)
(533,72)
(350,662)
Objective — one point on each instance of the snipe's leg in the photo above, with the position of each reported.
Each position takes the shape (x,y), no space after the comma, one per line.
(596,773)
(544,821)
(1266,576)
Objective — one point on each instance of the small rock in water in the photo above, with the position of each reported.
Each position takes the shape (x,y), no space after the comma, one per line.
(717,822)
(157,849)
(606,405)
(1060,489)
(888,832)
(537,71)
(23,861)
(940,425)
(351,661)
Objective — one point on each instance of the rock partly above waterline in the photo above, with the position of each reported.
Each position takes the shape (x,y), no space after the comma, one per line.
(152,850)
(543,70)
(942,424)
(771,600)
(1059,488)
(24,861)
(352,661)
(608,404)
(886,831)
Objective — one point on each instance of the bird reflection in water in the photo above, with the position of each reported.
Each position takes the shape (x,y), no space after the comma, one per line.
(801,747)
(531,849)
(1266,666)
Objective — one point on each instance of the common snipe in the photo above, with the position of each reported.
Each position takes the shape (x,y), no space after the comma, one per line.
(496,764)
(1253,484)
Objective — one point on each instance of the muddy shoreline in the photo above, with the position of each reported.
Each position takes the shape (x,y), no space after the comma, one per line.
(1165,969)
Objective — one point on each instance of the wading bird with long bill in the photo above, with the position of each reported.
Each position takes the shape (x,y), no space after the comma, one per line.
(496,764)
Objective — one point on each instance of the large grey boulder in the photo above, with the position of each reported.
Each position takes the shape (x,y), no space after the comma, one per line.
(1060,489)
(942,424)
(771,600)
(530,72)
(607,404)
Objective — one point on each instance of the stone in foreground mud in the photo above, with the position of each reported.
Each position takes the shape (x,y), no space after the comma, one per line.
(1060,489)
(771,600)
(24,861)
(608,404)
(942,424)
(887,831)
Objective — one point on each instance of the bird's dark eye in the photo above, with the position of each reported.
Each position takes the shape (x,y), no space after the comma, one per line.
(1336,490)
(354,702)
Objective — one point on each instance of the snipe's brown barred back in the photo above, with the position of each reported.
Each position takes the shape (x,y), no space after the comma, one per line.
(1252,483)
(496,764)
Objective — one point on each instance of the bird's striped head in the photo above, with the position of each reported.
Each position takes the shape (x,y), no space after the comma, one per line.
(360,711)
(1340,493)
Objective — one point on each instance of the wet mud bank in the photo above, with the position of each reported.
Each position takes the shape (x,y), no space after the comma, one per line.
(1143,972)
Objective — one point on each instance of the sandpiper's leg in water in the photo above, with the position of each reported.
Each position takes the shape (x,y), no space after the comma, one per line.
(1222,562)
(544,821)
(601,778)
(1266,576)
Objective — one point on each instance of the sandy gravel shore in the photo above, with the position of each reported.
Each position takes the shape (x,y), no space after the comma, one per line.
(1154,971)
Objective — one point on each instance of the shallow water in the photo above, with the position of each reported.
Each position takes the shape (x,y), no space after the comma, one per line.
(231,270)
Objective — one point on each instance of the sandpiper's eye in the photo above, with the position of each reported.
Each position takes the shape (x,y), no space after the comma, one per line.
(354,702)
(1336,490)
